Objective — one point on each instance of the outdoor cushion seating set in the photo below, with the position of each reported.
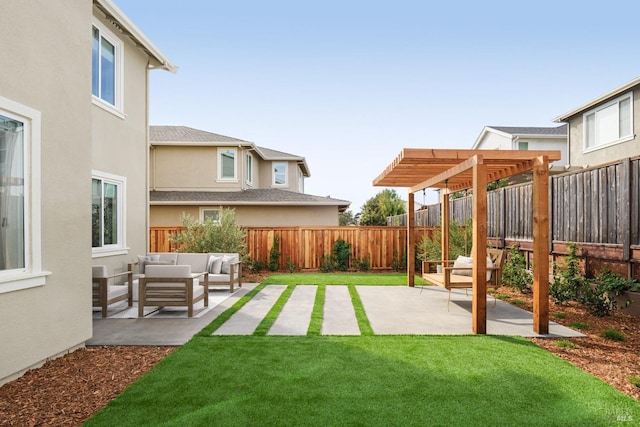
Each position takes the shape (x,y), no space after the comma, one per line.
(457,274)
(167,279)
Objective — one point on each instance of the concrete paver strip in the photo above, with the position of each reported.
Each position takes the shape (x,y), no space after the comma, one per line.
(295,316)
(339,317)
(246,320)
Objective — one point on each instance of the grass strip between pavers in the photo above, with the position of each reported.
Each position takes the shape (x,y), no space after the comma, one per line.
(224,316)
(272,315)
(361,315)
(315,325)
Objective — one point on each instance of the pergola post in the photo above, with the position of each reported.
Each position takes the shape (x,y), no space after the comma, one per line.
(541,245)
(411,247)
(444,228)
(479,251)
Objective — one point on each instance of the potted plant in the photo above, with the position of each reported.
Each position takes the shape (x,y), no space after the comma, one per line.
(626,292)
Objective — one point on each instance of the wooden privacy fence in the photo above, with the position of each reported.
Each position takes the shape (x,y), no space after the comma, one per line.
(597,208)
(306,247)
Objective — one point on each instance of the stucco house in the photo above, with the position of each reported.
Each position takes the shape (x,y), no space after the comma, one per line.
(73,167)
(603,129)
(198,173)
(525,138)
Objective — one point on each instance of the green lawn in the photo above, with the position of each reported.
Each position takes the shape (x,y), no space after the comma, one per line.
(364,380)
(378,279)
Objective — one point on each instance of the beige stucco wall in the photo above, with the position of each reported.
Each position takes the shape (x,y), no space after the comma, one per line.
(120,147)
(251,216)
(607,154)
(46,48)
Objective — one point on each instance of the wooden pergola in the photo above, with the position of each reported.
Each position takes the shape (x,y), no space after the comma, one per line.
(455,170)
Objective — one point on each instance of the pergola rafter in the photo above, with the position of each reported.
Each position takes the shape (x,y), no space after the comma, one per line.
(455,170)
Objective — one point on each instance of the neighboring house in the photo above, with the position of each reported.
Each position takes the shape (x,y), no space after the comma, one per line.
(525,138)
(603,129)
(198,173)
(73,127)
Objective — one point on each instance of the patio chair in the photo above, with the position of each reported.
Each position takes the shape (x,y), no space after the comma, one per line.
(170,286)
(105,294)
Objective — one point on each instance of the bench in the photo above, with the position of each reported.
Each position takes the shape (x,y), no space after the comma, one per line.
(448,280)
(224,269)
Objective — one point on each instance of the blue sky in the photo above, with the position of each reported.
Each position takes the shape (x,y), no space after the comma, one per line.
(348,84)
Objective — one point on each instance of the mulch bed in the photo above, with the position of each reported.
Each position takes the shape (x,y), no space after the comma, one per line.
(68,390)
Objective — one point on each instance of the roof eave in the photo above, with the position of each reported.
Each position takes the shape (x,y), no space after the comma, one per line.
(598,100)
(109,8)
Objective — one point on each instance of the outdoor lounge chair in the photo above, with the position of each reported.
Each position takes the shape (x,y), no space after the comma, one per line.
(457,277)
(105,294)
(170,286)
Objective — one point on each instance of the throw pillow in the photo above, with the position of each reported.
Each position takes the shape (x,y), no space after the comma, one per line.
(143,259)
(489,265)
(463,262)
(226,264)
(214,266)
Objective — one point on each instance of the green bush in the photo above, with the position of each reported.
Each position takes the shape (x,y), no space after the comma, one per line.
(567,281)
(612,334)
(292,266)
(460,238)
(254,266)
(341,253)
(515,273)
(615,284)
(399,262)
(210,236)
(274,254)
(363,264)
(327,264)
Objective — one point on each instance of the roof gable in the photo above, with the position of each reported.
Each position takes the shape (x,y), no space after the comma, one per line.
(599,100)
(522,132)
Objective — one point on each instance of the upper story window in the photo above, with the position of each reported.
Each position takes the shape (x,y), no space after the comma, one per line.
(249,168)
(279,173)
(227,164)
(609,123)
(107,208)
(20,244)
(106,69)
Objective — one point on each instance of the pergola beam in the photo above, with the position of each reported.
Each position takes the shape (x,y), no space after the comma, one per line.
(446,175)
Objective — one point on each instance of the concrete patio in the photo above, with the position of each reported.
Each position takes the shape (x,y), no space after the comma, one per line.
(390,310)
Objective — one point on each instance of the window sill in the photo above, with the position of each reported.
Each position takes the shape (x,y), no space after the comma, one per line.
(101,253)
(20,281)
(608,144)
(108,107)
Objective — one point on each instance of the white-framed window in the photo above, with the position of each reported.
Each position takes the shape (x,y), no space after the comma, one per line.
(523,145)
(210,214)
(280,173)
(106,69)
(20,192)
(107,214)
(609,123)
(227,164)
(249,168)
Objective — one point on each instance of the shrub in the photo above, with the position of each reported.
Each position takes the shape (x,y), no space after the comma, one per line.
(613,334)
(566,285)
(210,236)
(254,266)
(363,264)
(327,264)
(460,238)
(398,263)
(515,273)
(292,266)
(341,253)
(274,254)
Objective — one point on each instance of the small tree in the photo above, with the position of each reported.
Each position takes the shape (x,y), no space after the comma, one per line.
(210,236)
(376,210)
(460,238)
(515,273)
(274,254)
(341,254)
